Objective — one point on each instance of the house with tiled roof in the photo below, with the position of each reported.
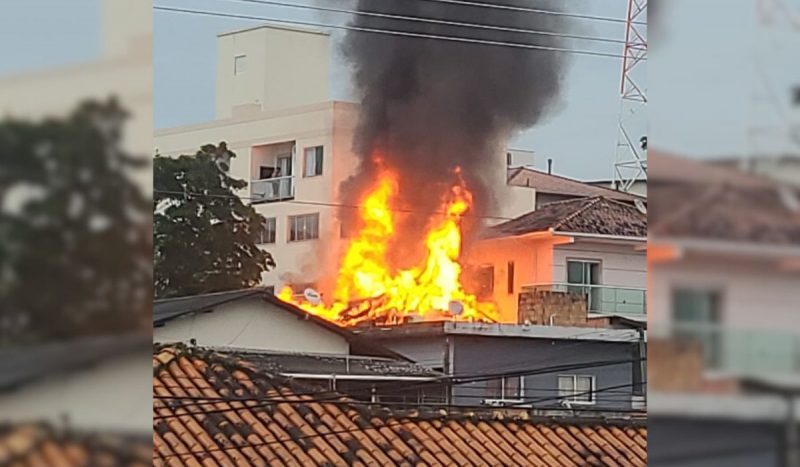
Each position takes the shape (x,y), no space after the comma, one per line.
(549,187)
(252,319)
(216,409)
(567,262)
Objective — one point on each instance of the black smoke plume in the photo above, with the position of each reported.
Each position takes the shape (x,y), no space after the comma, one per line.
(429,105)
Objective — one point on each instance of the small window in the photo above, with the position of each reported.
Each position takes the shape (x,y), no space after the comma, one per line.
(578,389)
(485,282)
(239,64)
(506,388)
(268,231)
(305,227)
(313,164)
(510,277)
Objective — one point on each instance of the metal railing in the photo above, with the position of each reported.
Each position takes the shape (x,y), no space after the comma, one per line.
(272,189)
(739,351)
(607,299)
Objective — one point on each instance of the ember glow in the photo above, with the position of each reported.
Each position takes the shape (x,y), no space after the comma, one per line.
(368,290)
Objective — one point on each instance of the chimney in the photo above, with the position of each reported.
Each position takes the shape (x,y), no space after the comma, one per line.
(508,160)
(549,166)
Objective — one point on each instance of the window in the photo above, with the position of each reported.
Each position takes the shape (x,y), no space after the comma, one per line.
(510,277)
(304,227)
(485,282)
(586,273)
(268,231)
(239,63)
(696,317)
(313,165)
(576,389)
(506,388)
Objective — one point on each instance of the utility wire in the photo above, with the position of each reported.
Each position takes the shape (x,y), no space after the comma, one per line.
(393,32)
(536,10)
(321,203)
(434,21)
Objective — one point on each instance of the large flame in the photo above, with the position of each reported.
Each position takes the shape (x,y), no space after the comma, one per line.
(368,290)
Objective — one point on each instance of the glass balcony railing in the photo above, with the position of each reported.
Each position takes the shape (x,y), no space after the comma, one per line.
(272,189)
(742,352)
(604,299)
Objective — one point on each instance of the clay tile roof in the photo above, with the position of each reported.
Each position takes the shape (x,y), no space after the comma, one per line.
(215,409)
(719,203)
(597,215)
(39,444)
(556,184)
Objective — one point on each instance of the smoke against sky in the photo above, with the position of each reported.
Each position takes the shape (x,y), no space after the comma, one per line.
(429,105)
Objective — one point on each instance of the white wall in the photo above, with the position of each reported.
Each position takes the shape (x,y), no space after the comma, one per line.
(113,396)
(284,68)
(252,324)
(754,294)
(621,264)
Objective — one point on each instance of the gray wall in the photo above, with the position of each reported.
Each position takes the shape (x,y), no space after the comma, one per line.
(712,443)
(471,355)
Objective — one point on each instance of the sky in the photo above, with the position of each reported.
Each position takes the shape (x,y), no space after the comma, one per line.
(701,71)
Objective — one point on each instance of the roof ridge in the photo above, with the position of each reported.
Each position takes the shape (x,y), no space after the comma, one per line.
(709,192)
(592,201)
(574,180)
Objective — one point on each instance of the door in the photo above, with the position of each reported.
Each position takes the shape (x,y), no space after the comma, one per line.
(696,318)
(582,275)
(285,182)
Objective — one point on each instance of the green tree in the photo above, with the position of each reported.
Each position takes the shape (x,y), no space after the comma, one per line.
(205,237)
(75,239)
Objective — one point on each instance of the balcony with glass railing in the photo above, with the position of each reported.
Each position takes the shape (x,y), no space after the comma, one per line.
(741,352)
(602,299)
(272,189)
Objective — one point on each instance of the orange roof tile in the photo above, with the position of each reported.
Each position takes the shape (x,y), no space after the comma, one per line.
(214,409)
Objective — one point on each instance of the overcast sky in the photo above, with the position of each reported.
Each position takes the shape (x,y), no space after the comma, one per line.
(701,73)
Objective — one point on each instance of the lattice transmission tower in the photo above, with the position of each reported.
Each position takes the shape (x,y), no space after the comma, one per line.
(630,158)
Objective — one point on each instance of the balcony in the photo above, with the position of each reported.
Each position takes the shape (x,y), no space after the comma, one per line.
(741,352)
(604,299)
(272,189)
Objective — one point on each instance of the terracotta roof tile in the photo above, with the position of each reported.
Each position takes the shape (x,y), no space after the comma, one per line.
(34,445)
(585,215)
(209,429)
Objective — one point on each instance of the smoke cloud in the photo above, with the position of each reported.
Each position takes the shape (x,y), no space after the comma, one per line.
(430,105)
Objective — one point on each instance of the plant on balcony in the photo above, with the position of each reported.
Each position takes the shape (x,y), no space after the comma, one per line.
(205,237)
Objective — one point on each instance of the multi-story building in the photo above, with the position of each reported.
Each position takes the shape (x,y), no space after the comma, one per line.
(293,144)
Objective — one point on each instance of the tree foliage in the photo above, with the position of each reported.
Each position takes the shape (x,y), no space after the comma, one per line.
(205,237)
(75,243)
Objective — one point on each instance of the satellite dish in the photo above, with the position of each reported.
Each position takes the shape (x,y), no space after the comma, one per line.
(455,307)
(312,296)
(640,206)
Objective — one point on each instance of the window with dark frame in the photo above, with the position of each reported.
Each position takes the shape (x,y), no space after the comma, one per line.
(313,161)
(485,282)
(303,227)
(268,231)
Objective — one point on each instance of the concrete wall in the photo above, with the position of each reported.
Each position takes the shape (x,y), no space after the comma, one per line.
(252,324)
(470,355)
(114,396)
(755,295)
(475,354)
(272,79)
(620,264)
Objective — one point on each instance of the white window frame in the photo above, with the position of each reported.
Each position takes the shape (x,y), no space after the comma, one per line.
(237,59)
(274,229)
(307,166)
(571,398)
(293,219)
(503,397)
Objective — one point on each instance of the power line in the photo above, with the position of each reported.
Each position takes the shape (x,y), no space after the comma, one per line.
(534,10)
(322,203)
(393,32)
(433,21)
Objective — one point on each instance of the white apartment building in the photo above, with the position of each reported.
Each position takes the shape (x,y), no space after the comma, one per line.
(293,144)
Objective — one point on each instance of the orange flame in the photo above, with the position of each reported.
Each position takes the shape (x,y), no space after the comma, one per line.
(368,290)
